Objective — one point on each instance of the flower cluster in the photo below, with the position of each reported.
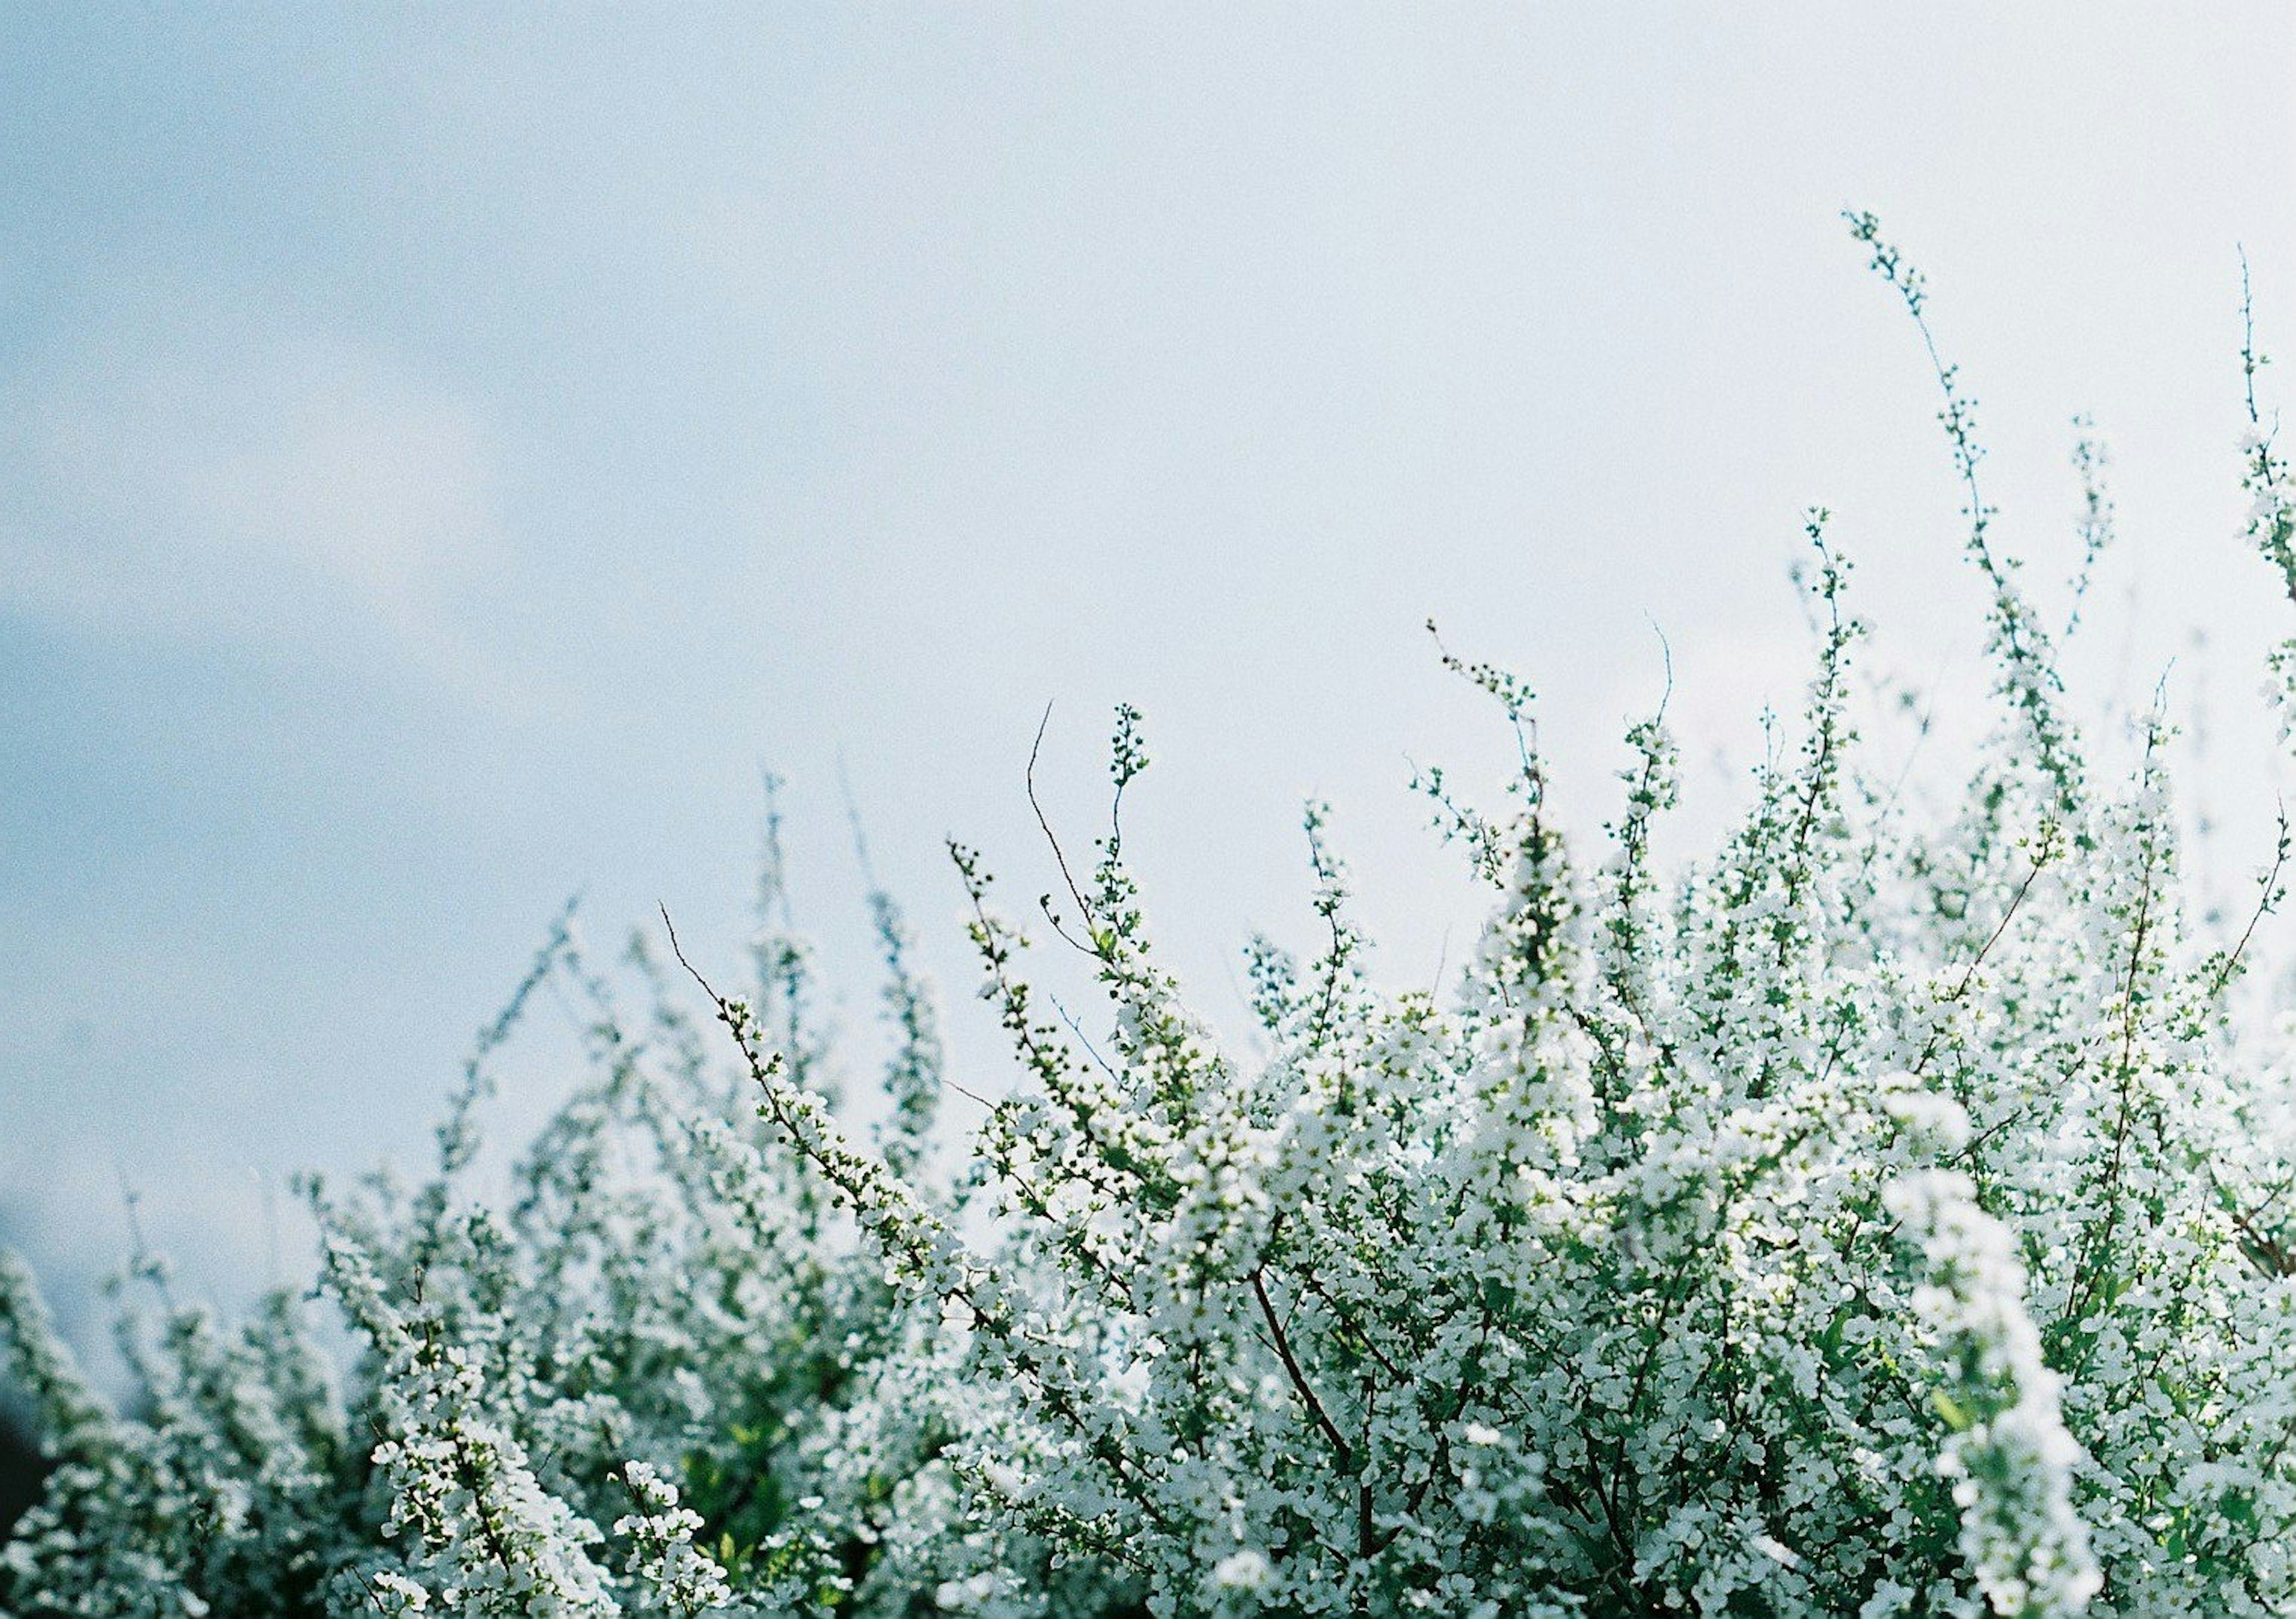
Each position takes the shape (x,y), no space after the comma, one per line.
(2010,1455)
(1887,1213)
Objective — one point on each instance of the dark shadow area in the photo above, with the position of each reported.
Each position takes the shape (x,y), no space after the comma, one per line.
(22,1470)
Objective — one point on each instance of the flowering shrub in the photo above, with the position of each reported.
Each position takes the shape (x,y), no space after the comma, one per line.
(1884,1216)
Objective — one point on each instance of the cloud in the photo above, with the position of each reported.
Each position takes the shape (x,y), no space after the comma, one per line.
(219,479)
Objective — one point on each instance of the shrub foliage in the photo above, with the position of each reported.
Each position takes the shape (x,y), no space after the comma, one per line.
(1885,1214)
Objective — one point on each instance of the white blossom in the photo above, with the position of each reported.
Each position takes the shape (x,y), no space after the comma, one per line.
(1883,1213)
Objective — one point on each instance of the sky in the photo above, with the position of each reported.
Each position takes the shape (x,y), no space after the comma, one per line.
(446,452)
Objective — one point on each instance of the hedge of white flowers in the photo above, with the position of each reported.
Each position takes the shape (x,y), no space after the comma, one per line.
(1884,1215)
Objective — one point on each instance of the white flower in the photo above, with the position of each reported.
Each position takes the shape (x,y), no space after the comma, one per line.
(1939,1122)
(1245,1570)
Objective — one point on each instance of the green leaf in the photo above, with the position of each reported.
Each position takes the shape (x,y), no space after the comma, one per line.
(1947,1407)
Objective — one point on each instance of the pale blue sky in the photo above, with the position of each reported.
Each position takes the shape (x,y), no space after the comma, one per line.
(445,449)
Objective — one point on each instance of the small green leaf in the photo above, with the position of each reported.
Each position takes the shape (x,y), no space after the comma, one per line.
(1948,1408)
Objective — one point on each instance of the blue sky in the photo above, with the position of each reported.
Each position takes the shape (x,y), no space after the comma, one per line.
(448,450)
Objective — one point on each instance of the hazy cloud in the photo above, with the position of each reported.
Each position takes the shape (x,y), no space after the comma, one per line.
(276,485)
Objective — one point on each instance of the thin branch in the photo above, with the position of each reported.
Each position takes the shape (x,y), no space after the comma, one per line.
(1342,1451)
(1029,780)
(2265,902)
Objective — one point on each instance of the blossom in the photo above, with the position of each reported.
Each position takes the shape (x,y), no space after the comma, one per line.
(1243,1570)
(1881,1214)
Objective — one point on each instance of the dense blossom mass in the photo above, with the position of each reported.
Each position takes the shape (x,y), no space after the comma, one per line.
(1886,1214)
